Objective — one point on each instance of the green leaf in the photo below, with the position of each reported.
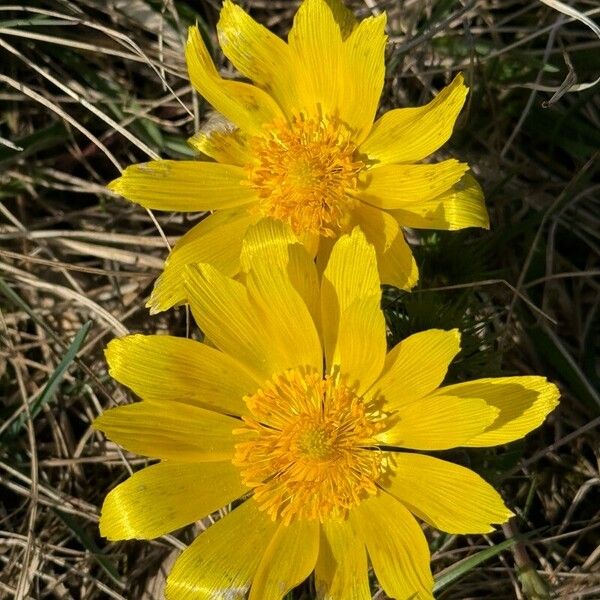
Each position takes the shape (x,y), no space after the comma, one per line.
(178,147)
(41,139)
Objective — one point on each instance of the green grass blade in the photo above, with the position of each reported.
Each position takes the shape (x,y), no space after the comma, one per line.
(461,568)
(88,543)
(53,381)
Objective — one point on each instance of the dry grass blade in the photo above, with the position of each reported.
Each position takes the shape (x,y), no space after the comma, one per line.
(90,87)
(565,9)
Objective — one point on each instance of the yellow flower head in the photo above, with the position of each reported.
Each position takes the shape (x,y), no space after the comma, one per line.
(298,416)
(301,145)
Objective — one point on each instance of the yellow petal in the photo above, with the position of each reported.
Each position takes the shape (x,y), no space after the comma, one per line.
(222,561)
(397,266)
(167,496)
(396,545)
(315,42)
(351,274)
(258,54)
(184,185)
(361,343)
(395,261)
(449,497)
(414,367)
(162,368)
(523,402)
(341,570)
(268,239)
(220,140)
(324,40)
(393,186)
(228,318)
(173,431)
(272,242)
(461,206)
(216,240)
(324,249)
(411,134)
(364,66)
(288,323)
(241,103)
(303,274)
(439,422)
(289,560)
(311,242)
(343,16)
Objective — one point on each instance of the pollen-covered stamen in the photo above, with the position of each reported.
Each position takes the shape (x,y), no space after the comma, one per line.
(310,451)
(303,172)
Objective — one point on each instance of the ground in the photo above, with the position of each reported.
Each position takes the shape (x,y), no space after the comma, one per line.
(88,87)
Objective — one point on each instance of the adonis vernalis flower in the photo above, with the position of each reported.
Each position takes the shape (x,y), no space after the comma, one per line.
(302,145)
(298,416)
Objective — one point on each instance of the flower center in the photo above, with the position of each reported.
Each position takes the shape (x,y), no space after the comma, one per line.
(303,172)
(315,443)
(309,450)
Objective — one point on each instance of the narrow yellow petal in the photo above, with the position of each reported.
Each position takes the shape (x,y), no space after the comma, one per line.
(414,367)
(287,320)
(243,104)
(396,545)
(222,561)
(258,54)
(311,242)
(224,312)
(397,266)
(162,368)
(289,560)
(315,42)
(268,239)
(302,271)
(325,39)
(341,571)
(167,496)
(395,261)
(172,431)
(411,134)
(343,16)
(361,343)
(463,205)
(219,139)
(449,497)
(439,423)
(183,185)
(364,73)
(393,186)
(351,274)
(216,240)
(523,402)
(326,245)
(272,242)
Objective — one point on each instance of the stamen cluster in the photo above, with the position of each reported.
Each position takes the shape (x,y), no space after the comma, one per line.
(310,452)
(302,173)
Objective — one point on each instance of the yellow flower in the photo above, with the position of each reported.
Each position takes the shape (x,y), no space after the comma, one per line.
(302,145)
(297,415)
